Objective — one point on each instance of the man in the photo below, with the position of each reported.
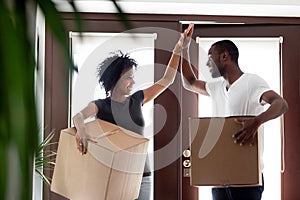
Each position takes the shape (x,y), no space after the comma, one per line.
(236,93)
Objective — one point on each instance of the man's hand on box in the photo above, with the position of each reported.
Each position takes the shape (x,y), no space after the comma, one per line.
(248,131)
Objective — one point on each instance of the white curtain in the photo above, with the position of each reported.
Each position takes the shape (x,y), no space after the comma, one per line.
(92,48)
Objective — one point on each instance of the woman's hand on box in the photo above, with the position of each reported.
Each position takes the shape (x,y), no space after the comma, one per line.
(82,141)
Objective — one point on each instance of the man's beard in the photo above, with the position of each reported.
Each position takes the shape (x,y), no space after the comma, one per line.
(216,73)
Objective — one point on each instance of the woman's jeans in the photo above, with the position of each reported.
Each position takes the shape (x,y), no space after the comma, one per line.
(146,186)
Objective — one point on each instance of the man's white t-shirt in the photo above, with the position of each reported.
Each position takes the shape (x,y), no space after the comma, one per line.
(243,98)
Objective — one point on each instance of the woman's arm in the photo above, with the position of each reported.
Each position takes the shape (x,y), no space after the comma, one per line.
(81,134)
(171,71)
(168,78)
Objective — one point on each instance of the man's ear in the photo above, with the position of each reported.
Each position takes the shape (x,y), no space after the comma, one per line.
(225,56)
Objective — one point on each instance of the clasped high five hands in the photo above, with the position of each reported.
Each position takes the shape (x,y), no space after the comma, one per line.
(184,40)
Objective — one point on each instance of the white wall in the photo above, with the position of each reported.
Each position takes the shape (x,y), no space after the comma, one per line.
(275,8)
(39,90)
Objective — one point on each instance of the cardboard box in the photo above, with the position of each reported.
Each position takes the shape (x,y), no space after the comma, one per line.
(112,169)
(216,160)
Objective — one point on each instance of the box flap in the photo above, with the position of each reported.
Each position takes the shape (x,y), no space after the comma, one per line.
(110,136)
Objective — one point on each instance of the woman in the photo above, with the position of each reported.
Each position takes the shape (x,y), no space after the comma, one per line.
(116,75)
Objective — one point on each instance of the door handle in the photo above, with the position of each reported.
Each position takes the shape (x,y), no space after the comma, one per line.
(186,163)
(186,153)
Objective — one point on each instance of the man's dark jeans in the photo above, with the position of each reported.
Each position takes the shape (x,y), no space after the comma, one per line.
(238,193)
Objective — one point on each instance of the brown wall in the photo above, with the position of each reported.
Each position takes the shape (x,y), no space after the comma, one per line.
(168,179)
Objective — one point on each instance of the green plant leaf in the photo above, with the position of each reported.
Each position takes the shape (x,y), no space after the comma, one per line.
(44,159)
(122,16)
(18,120)
(17,87)
(54,21)
(44,178)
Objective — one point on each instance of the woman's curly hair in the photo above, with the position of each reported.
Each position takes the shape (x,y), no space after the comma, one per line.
(109,71)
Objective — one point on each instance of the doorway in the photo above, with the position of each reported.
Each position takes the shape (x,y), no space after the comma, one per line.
(167,178)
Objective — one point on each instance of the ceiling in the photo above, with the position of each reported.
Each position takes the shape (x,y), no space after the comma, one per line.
(272,8)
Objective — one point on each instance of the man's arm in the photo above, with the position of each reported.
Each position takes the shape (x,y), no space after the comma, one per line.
(278,106)
(189,80)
